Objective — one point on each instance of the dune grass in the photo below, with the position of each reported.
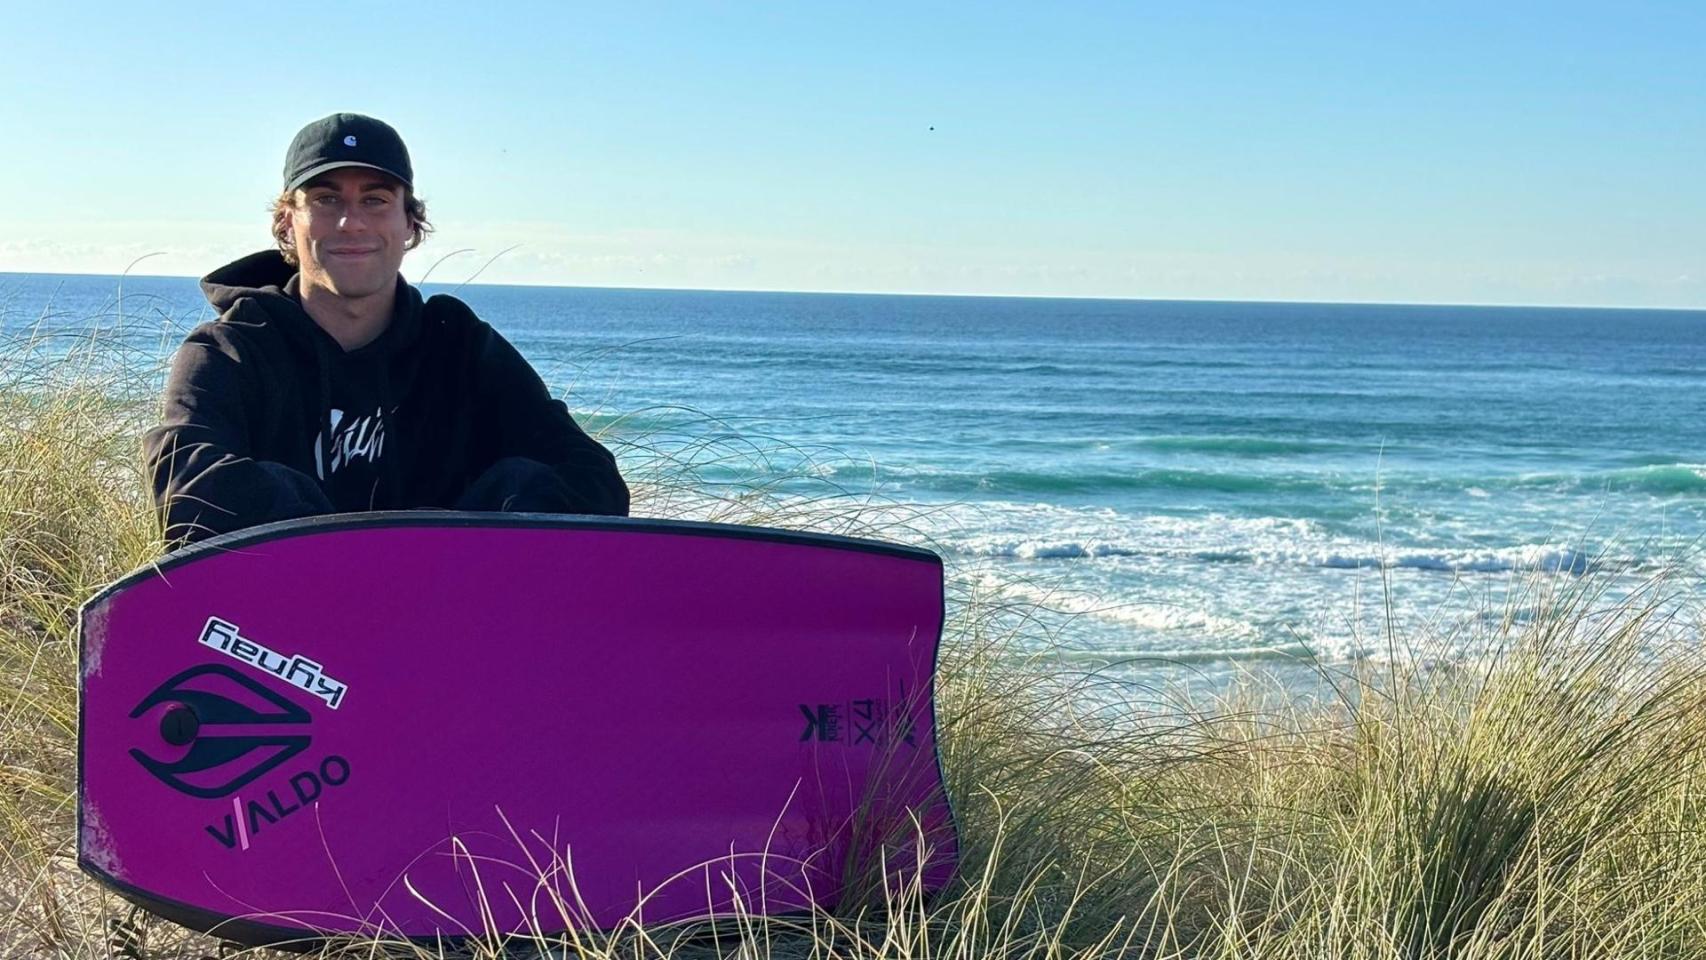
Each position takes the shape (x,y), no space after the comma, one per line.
(1542,801)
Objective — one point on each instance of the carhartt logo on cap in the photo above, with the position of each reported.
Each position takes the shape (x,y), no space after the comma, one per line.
(349,141)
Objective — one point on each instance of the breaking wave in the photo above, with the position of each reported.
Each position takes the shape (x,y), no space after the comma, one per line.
(1546,558)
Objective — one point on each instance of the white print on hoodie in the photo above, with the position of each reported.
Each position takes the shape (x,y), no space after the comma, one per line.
(360,437)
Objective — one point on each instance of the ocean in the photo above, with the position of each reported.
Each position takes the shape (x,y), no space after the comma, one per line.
(1187,485)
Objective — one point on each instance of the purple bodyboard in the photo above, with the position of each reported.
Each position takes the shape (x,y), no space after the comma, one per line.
(442,725)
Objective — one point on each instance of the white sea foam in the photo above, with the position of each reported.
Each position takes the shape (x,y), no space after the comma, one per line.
(1185,655)
(1039,533)
(1145,615)
(1046,550)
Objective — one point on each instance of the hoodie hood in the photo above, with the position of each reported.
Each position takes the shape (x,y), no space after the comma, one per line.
(255,275)
(268,279)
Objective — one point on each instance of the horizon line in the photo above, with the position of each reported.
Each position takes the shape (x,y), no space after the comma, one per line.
(962,296)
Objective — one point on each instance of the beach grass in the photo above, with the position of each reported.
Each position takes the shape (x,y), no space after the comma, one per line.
(1542,800)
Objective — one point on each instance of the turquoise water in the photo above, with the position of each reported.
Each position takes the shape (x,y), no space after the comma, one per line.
(1205,482)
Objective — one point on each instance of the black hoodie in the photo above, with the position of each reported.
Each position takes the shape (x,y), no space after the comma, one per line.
(262,406)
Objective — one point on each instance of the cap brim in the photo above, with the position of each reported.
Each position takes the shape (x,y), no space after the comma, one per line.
(313,172)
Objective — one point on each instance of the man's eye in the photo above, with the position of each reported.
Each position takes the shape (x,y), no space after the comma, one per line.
(376,201)
(325,199)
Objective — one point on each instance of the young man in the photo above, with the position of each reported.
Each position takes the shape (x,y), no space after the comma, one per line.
(328,385)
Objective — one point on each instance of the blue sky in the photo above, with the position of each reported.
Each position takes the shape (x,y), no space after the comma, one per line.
(1528,153)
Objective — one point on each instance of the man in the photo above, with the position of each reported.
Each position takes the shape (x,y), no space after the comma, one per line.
(328,385)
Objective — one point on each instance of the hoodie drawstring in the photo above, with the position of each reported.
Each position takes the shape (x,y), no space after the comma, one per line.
(323,455)
(387,461)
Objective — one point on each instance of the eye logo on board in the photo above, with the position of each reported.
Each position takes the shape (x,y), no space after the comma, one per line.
(217,731)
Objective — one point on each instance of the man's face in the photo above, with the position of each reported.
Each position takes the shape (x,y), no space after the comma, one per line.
(350,226)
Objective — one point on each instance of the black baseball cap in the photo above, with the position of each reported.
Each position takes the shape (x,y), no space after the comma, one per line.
(346,140)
